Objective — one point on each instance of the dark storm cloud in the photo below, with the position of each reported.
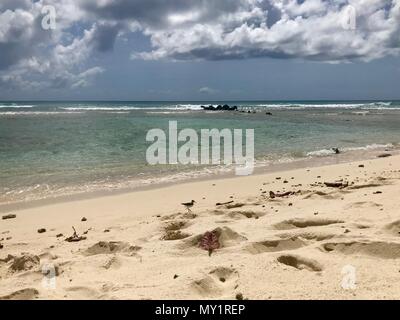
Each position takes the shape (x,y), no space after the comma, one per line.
(155,13)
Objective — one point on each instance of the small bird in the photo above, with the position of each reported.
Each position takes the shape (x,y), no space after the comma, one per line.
(189,205)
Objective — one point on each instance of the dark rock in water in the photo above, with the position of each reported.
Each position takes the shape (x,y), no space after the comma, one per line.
(209,108)
(220,108)
(336,150)
(43,230)
(9,216)
(268,113)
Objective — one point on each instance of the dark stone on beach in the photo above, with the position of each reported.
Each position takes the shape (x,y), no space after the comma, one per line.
(59,235)
(106,231)
(176,276)
(84,219)
(9,216)
(361,166)
(1,246)
(239,296)
(384,155)
(378,192)
(43,230)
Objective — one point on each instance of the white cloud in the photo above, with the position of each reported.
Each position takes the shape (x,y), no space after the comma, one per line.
(187,30)
(207,90)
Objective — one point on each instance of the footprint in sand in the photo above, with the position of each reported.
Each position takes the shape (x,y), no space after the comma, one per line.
(80,292)
(380,249)
(104,247)
(226,237)
(327,196)
(393,228)
(300,263)
(24,294)
(363,205)
(245,214)
(20,263)
(305,223)
(275,245)
(220,282)
(316,236)
(239,214)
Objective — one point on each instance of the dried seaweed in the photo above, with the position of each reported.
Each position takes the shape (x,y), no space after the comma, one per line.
(210,242)
(75,237)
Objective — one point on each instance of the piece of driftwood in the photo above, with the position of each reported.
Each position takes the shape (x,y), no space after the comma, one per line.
(337,184)
(75,237)
(9,216)
(274,195)
(223,203)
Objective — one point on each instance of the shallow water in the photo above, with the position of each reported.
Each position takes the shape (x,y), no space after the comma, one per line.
(57,148)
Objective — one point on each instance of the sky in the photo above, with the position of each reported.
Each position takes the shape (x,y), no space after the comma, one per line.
(205,50)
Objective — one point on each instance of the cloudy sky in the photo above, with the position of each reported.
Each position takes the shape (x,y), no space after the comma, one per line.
(199,49)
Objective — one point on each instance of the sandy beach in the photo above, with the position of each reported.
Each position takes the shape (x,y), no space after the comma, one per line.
(299,242)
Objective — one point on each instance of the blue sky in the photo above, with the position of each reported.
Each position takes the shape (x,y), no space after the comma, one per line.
(200,50)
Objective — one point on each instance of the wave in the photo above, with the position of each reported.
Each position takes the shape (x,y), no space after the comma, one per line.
(179,107)
(366,106)
(327,152)
(15,106)
(35,113)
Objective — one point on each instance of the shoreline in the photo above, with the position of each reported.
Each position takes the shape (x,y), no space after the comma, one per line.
(301,163)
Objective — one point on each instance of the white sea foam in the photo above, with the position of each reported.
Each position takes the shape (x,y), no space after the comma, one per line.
(35,113)
(327,152)
(15,106)
(179,107)
(297,106)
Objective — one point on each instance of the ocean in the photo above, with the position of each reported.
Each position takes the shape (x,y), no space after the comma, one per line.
(52,149)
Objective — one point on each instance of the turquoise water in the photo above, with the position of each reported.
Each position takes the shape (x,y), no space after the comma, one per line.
(53,148)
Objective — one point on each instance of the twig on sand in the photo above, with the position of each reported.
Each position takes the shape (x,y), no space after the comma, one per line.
(274,195)
(75,237)
(337,184)
(223,203)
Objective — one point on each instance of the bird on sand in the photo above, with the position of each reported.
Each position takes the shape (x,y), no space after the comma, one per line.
(189,205)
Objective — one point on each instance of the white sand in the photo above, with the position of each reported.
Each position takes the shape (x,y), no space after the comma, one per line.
(270,249)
